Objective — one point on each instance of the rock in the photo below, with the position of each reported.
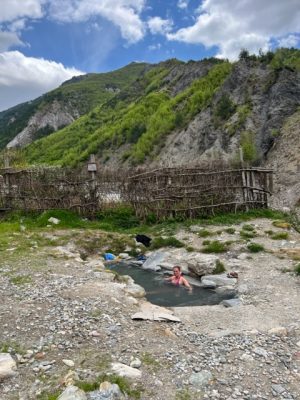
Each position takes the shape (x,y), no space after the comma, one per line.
(278,331)
(69,363)
(298,344)
(278,389)
(136,363)
(154,260)
(200,379)
(170,334)
(243,289)
(208,284)
(201,264)
(135,290)
(125,371)
(54,221)
(72,393)
(152,312)
(124,256)
(260,352)
(95,264)
(107,391)
(221,280)
(231,303)
(8,366)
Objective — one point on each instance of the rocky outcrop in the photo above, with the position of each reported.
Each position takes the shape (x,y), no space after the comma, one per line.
(44,121)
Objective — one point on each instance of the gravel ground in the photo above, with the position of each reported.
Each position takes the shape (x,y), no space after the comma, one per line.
(67,309)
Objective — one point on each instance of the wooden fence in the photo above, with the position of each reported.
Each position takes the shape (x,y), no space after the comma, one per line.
(164,192)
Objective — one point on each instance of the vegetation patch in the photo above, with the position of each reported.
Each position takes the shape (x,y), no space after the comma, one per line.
(255,247)
(231,231)
(281,224)
(247,234)
(297,269)
(219,269)
(171,241)
(205,233)
(248,228)
(215,246)
(280,236)
(21,279)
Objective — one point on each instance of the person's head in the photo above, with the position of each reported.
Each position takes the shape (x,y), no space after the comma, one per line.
(176,270)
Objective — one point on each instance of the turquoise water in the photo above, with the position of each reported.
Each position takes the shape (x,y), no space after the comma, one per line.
(165,294)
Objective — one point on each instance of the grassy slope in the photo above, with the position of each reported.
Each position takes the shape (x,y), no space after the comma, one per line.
(81,93)
(141,118)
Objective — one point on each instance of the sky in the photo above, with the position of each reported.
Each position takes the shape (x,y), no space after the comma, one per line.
(45,42)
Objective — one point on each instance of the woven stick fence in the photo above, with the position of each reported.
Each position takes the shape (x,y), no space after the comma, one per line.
(165,192)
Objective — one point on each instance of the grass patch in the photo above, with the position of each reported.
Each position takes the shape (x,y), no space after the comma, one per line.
(21,279)
(248,228)
(123,383)
(297,269)
(247,234)
(45,395)
(205,233)
(280,236)
(281,224)
(190,249)
(219,269)
(171,241)
(12,347)
(215,247)
(150,361)
(231,231)
(255,247)
(183,394)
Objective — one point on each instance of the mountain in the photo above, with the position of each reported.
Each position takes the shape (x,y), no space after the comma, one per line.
(22,124)
(180,113)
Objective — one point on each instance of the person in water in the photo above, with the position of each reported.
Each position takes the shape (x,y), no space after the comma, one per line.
(177,279)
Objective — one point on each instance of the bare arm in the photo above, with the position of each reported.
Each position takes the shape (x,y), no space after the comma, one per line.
(186,283)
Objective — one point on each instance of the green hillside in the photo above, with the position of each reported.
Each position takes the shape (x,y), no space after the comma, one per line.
(81,94)
(141,117)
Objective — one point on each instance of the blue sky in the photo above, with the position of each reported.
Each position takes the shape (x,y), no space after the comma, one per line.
(45,42)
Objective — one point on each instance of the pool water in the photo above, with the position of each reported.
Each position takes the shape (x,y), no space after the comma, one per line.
(165,294)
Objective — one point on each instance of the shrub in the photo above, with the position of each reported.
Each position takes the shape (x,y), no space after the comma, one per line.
(121,217)
(204,233)
(219,268)
(255,247)
(231,231)
(297,269)
(281,224)
(171,241)
(280,236)
(247,227)
(215,247)
(224,108)
(247,234)
(248,146)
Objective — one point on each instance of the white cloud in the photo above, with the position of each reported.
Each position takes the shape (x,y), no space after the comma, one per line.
(289,41)
(9,39)
(24,78)
(182,4)
(125,14)
(15,9)
(153,47)
(231,25)
(158,25)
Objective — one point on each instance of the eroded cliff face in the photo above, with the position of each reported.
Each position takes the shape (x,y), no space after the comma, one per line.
(263,100)
(284,159)
(49,119)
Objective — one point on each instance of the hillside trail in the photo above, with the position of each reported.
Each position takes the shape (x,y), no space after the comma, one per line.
(54,309)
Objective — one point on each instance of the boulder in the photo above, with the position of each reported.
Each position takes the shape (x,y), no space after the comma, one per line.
(8,366)
(278,331)
(54,221)
(221,280)
(107,391)
(135,290)
(72,393)
(125,371)
(231,303)
(201,264)
(208,284)
(153,261)
(152,312)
